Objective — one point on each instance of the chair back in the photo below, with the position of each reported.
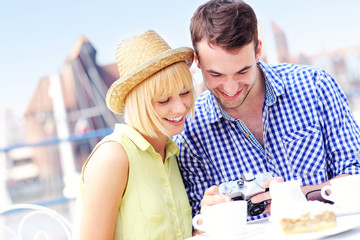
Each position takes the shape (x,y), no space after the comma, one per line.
(30,219)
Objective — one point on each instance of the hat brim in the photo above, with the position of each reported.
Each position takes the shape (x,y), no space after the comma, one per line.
(115,97)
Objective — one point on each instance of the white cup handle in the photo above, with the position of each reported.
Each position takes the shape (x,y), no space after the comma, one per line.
(195,222)
(324,194)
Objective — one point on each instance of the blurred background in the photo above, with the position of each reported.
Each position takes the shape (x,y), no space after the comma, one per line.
(57,61)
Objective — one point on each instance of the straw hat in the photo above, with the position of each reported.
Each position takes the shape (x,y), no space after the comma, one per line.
(137,59)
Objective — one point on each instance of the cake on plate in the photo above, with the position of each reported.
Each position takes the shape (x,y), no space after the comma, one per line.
(292,213)
(311,216)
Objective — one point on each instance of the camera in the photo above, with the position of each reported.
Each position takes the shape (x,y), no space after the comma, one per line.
(246,187)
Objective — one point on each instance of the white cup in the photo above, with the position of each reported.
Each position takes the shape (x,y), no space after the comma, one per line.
(285,199)
(223,220)
(345,192)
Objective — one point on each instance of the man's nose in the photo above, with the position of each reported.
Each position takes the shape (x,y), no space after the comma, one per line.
(230,86)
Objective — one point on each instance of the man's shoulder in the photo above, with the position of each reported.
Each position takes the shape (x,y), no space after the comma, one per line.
(204,104)
(291,69)
(206,109)
(204,98)
(289,74)
(203,116)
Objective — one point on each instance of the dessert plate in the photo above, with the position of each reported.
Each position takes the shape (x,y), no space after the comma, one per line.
(340,212)
(344,223)
(252,231)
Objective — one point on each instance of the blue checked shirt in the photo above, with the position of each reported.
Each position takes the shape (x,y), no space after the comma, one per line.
(309,133)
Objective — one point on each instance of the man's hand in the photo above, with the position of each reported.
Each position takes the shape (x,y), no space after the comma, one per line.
(265,196)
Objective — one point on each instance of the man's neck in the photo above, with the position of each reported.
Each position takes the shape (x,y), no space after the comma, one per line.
(253,104)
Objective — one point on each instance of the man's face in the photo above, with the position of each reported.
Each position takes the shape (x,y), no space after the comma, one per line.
(229,75)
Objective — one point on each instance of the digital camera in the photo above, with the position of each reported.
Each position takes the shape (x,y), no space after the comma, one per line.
(246,187)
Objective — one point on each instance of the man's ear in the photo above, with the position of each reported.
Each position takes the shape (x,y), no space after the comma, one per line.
(258,50)
(197,62)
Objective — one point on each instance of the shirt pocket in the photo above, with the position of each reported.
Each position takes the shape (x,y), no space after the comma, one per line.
(153,226)
(305,152)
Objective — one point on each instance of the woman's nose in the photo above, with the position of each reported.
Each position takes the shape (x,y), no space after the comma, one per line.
(178,105)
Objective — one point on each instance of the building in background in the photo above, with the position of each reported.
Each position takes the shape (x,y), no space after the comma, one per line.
(83,85)
(281,43)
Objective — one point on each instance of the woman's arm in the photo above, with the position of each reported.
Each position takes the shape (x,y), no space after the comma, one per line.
(105,180)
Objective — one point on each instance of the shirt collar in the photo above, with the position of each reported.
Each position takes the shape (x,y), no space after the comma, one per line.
(214,111)
(133,135)
(171,148)
(274,84)
(142,143)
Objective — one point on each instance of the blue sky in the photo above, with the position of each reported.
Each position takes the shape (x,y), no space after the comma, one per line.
(36,36)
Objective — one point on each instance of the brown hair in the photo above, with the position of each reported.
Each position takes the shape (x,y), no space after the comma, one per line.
(229,24)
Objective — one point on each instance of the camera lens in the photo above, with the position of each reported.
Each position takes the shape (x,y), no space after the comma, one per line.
(255,209)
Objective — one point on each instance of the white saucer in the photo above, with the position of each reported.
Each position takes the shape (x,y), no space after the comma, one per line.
(250,231)
(341,212)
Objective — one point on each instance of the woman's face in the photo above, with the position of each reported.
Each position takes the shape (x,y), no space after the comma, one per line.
(172,110)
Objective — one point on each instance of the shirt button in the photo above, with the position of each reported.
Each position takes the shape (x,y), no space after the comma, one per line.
(247,135)
(267,158)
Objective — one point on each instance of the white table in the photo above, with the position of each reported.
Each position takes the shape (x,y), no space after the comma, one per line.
(264,230)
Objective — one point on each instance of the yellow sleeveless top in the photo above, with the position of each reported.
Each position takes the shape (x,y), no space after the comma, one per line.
(155,204)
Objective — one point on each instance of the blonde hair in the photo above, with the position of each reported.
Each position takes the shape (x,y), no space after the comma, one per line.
(139,111)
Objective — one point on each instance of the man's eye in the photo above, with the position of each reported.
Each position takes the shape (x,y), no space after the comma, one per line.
(242,72)
(215,75)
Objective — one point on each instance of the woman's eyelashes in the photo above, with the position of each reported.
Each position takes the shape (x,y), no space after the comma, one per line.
(185,93)
(164,100)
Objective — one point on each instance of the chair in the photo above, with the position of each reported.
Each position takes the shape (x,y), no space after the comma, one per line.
(34,210)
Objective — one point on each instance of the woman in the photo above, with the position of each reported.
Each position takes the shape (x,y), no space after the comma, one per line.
(131,184)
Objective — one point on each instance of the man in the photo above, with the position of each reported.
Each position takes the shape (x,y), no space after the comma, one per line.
(292,121)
